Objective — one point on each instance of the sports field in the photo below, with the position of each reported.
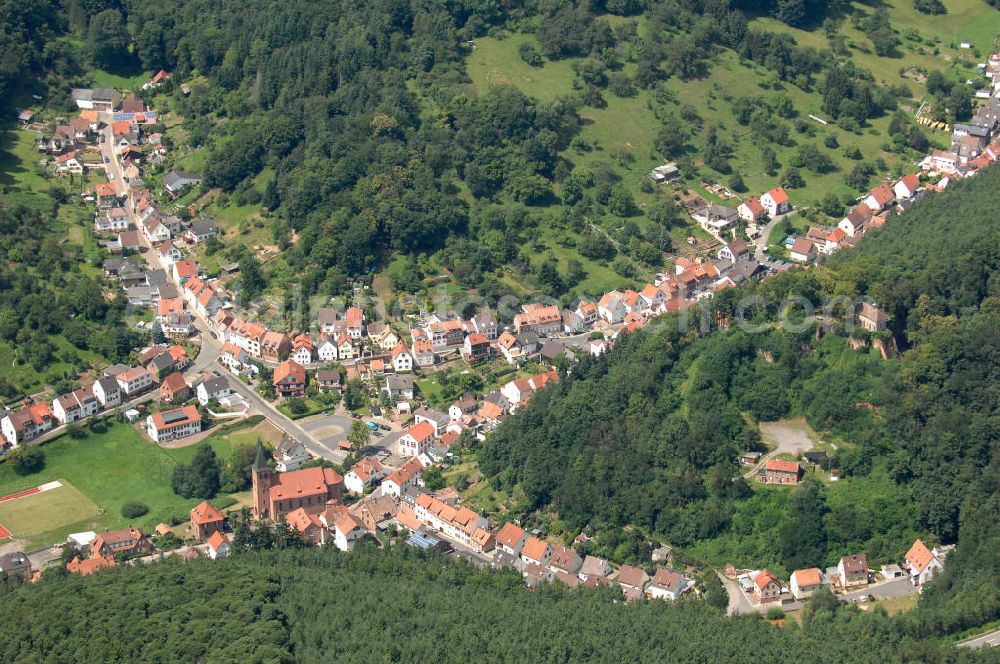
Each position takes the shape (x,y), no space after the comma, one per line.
(43,515)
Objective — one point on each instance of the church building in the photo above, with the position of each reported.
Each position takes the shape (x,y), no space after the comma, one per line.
(276,494)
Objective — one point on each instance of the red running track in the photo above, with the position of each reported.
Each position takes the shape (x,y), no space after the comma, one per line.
(4,533)
(20,494)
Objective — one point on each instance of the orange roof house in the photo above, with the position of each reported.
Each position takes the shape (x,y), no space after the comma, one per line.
(206,519)
(90,565)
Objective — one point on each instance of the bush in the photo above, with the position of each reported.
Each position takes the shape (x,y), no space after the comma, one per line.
(775,613)
(134,509)
(26,460)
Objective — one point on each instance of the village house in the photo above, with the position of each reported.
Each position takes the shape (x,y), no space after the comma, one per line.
(906,187)
(460,524)
(423,353)
(543,320)
(485,322)
(632,581)
(176,325)
(880,198)
(233,357)
(345,347)
(802,251)
(174,389)
(364,474)
(871,317)
(302,349)
(327,349)
(834,241)
(667,584)
(565,559)
(219,545)
(289,454)
(511,539)
(76,405)
(734,251)
(751,210)
(354,319)
(176,181)
(780,471)
(68,163)
(206,519)
(594,568)
(466,405)
(401,479)
(107,196)
(27,424)
(477,348)
(922,563)
(776,202)
(328,379)
(275,346)
(107,391)
(402,359)
(216,388)
(169,425)
(417,439)
(716,219)
(15,564)
(853,571)
(857,220)
(289,379)
(805,582)
(611,307)
(399,388)
(134,381)
(517,348)
(276,494)
(766,587)
(123,543)
(536,551)
(435,418)
(113,219)
(91,565)
(200,231)
(347,530)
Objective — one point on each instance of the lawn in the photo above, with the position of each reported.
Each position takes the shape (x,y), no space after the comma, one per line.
(19,161)
(38,516)
(110,469)
(105,79)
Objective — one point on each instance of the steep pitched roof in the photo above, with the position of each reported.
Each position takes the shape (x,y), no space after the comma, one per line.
(919,556)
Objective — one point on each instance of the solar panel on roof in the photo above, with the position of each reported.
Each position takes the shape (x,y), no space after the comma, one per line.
(174,416)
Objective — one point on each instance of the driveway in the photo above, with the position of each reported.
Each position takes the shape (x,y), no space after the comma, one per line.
(898,587)
(788,436)
(738,602)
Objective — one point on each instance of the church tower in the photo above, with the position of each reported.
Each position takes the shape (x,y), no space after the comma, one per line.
(260,474)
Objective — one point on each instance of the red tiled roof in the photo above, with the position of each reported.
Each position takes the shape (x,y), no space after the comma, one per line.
(778,195)
(510,534)
(289,369)
(205,512)
(217,539)
(919,556)
(782,466)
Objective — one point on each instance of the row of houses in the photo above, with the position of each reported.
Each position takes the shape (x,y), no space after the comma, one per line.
(117,385)
(852,573)
(540,561)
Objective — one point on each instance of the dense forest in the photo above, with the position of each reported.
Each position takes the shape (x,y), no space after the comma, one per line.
(647,435)
(401,605)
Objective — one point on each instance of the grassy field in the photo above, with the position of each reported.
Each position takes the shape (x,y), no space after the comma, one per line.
(104,79)
(19,161)
(39,516)
(108,469)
